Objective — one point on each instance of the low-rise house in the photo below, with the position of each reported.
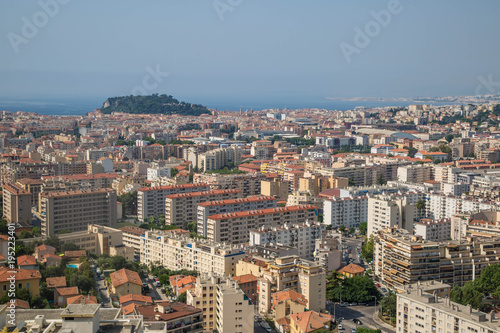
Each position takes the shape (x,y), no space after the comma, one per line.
(181,283)
(62,294)
(82,299)
(125,282)
(352,270)
(176,315)
(25,278)
(56,282)
(310,321)
(287,302)
(27,262)
(20,304)
(135,299)
(75,254)
(43,250)
(52,260)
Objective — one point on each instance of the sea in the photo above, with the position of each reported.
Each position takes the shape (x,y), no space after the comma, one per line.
(80,106)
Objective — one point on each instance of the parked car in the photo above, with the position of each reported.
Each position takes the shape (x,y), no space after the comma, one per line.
(353,330)
(266,326)
(357,321)
(378,285)
(353,304)
(340,327)
(384,290)
(158,284)
(162,290)
(344,304)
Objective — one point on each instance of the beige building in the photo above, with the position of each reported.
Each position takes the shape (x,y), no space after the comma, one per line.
(75,210)
(304,198)
(234,311)
(415,173)
(275,188)
(233,228)
(125,282)
(303,276)
(247,183)
(182,208)
(16,204)
(179,251)
(318,183)
(402,259)
(214,294)
(99,239)
(132,237)
(151,200)
(422,311)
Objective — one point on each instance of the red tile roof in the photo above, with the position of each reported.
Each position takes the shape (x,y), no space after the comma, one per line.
(26,260)
(81,299)
(123,276)
(266,211)
(54,282)
(21,274)
(67,291)
(136,298)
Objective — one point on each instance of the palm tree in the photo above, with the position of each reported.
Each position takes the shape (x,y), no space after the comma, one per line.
(420,205)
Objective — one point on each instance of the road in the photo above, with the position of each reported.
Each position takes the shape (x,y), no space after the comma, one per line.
(361,312)
(155,292)
(103,291)
(352,244)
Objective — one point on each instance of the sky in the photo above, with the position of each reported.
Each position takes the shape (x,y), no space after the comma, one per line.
(208,50)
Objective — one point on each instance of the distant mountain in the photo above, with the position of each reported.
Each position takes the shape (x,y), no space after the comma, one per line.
(152,104)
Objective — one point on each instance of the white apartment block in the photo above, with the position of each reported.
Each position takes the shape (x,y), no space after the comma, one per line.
(234,311)
(422,312)
(438,231)
(151,200)
(157,172)
(132,236)
(299,236)
(176,251)
(233,228)
(219,158)
(205,209)
(350,211)
(182,207)
(415,173)
(386,211)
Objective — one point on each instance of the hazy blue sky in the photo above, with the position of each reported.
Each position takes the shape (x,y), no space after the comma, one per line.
(260,49)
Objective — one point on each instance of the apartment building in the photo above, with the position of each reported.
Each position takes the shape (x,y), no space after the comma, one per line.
(398,211)
(275,187)
(151,200)
(437,231)
(233,228)
(75,210)
(291,272)
(328,250)
(318,183)
(34,186)
(16,204)
(178,251)
(300,236)
(402,259)
(247,183)
(235,312)
(419,311)
(415,173)
(204,296)
(219,158)
(132,236)
(208,208)
(348,211)
(183,207)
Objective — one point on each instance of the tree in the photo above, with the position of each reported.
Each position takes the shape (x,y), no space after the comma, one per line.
(449,137)
(54,242)
(69,247)
(342,228)
(388,304)
(129,203)
(355,289)
(36,231)
(367,249)
(380,180)
(352,230)
(182,297)
(420,205)
(367,330)
(468,294)
(24,234)
(363,227)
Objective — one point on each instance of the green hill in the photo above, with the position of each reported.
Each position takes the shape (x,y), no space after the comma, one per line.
(152,104)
